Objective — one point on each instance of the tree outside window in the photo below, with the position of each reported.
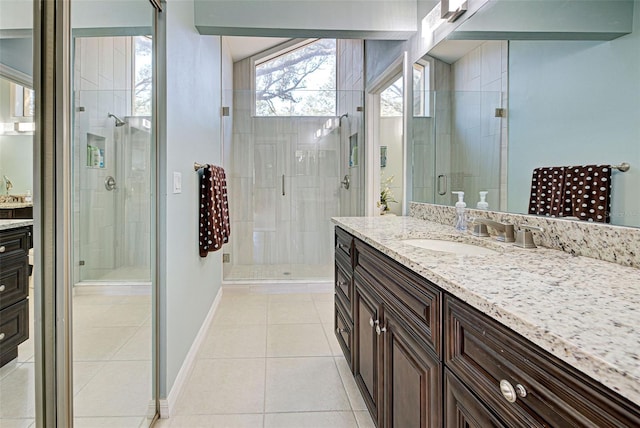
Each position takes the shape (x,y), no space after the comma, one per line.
(142,75)
(300,82)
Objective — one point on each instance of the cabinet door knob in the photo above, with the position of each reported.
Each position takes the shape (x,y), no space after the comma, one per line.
(1,337)
(510,393)
(341,330)
(342,283)
(3,249)
(380,330)
(371,323)
(2,288)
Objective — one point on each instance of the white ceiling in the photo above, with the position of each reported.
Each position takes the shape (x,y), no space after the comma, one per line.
(243,47)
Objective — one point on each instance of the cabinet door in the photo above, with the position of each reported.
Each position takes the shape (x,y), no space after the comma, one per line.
(367,346)
(462,409)
(412,378)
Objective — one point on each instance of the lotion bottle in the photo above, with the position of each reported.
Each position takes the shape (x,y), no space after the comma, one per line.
(461,220)
(483,204)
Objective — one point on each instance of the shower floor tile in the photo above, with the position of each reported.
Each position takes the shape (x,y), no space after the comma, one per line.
(280,272)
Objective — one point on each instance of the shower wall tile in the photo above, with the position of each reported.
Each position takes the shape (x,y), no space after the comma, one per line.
(264,209)
(265,166)
(106,50)
(242,235)
(241,204)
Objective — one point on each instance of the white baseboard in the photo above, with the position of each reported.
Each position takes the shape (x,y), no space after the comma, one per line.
(168,404)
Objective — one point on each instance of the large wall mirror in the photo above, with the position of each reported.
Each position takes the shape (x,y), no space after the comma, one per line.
(501,109)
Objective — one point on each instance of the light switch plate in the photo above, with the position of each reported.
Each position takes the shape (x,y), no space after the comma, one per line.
(177,182)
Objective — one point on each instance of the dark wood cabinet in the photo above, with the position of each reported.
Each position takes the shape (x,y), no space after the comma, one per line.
(462,409)
(412,378)
(14,291)
(367,352)
(496,363)
(16,213)
(423,358)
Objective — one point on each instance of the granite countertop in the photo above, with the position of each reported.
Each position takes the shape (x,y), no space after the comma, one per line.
(584,311)
(13,224)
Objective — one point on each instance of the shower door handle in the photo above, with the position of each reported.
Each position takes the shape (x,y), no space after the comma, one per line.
(283,193)
(442,179)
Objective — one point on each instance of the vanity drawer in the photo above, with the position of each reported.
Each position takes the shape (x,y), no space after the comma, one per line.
(14,279)
(415,298)
(343,329)
(482,353)
(14,327)
(14,241)
(344,244)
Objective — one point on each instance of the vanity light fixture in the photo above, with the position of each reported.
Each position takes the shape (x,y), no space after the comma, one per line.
(452,9)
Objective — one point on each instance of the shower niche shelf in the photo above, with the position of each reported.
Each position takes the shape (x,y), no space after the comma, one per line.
(95,151)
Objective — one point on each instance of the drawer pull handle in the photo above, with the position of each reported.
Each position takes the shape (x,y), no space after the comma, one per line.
(2,288)
(3,249)
(373,323)
(1,337)
(342,283)
(380,330)
(510,393)
(341,330)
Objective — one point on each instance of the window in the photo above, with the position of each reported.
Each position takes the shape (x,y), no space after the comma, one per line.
(142,75)
(421,87)
(391,100)
(298,82)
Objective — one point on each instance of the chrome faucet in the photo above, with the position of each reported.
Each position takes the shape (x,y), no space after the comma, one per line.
(506,230)
(7,184)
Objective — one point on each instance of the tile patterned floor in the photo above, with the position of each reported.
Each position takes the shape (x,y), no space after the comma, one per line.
(283,272)
(272,361)
(112,365)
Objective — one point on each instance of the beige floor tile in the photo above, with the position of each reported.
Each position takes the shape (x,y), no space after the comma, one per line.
(223,387)
(323,296)
(304,384)
(17,396)
(99,343)
(120,388)
(297,340)
(355,397)
(325,310)
(122,315)
(83,372)
(240,341)
(310,420)
(108,422)
(139,347)
(9,367)
(336,350)
(290,297)
(364,419)
(96,299)
(214,421)
(293,312)
(16,423)
(240,313)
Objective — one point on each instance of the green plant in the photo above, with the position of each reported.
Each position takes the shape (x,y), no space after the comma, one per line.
(386,196)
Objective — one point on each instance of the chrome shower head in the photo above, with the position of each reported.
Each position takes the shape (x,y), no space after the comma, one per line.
(119,122)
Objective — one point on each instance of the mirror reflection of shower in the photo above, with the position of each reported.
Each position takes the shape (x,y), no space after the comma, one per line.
(119,122)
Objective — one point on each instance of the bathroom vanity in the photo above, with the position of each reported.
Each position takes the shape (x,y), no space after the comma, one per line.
(514,338)
(15,241)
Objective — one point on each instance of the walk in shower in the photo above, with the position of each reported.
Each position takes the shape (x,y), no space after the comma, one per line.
(286,178)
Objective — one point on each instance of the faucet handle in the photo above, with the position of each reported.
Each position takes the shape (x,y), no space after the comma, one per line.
(524,236)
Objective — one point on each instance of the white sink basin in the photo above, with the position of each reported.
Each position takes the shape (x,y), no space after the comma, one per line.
(450,247)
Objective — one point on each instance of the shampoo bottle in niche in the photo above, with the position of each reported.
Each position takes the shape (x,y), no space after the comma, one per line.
(483,204)
(461,220)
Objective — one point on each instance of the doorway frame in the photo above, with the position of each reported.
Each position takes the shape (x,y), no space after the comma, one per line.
(398,68)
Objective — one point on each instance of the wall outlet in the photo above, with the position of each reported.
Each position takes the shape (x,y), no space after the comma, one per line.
(226,258)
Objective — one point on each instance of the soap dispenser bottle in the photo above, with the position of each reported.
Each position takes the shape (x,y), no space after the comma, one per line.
(483,204)
(461,220)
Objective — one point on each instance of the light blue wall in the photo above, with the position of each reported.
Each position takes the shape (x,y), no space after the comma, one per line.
(191,134)
(381,19)
(573,103)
